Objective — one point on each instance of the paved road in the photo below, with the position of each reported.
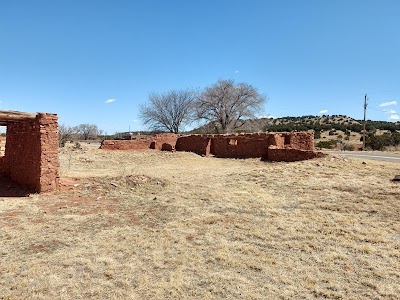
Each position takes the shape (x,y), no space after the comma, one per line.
(368,155)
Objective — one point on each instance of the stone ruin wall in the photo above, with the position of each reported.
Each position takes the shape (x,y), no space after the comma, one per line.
(293,146)
(243,145)
(31,153)
(141,143)
(291,154)
(250,145)
(199,144)
(300,140)
(161,140)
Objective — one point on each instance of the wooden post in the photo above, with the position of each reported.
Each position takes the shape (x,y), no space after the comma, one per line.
(365,113)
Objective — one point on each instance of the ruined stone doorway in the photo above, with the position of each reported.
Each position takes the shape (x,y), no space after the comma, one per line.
(31,150)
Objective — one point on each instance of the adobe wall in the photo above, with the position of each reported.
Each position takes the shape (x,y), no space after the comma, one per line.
(248,145)
(31,152)
(140,143)
(291,154)
(300,140)
(244,145)
(163,138)
(199,144)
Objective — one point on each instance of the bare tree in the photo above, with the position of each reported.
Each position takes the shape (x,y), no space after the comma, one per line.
(226,104)
(88,131)
(168,111)
(64,134)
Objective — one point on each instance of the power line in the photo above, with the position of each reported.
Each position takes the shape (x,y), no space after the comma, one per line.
(378,109)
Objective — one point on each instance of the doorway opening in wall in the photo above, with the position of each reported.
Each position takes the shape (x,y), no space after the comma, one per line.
(3,130)
(287,139)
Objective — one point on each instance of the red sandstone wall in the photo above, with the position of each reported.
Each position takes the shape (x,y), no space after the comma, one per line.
(300,140)
(164,138)
(49,164)
(242,145)
(290,154)
(234,146)
(199,144)
(31,154)
(140,143)
(22,154)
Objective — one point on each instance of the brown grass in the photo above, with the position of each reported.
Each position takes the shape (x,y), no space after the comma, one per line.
(158,225)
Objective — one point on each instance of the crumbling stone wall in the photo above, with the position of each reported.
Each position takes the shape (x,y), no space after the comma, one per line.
(244,145)
(141,142)
(290,154)
(248,145)
(164,138)
(199,144)
(31,152)
(299,140)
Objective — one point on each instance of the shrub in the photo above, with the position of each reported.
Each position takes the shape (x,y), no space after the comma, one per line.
(379,142)
(77,146)
(327,144)
(348,147)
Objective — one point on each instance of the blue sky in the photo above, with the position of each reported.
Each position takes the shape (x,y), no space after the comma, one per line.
(309,57)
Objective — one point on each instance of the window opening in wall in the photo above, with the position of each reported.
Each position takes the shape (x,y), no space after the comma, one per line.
(3,130)
(287,139)
(232,142)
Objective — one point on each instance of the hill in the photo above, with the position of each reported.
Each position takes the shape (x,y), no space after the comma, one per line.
(316,123)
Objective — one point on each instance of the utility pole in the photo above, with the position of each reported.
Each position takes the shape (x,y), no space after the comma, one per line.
(365,113)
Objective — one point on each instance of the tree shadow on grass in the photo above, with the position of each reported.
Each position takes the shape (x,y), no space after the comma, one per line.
(9,188)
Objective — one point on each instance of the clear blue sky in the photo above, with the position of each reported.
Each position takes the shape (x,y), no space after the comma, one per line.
(69,57)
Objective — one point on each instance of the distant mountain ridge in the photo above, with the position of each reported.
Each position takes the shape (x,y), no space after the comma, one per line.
(317,123)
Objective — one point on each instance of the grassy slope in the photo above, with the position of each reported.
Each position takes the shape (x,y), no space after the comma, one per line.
(204,228)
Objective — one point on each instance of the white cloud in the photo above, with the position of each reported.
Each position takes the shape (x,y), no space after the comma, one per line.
(394,117)
(266,117)
(390,111)
(237,72)
(110,101)
(323,111)
(388,103)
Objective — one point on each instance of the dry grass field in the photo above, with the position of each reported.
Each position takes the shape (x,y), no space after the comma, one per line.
(158,225)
